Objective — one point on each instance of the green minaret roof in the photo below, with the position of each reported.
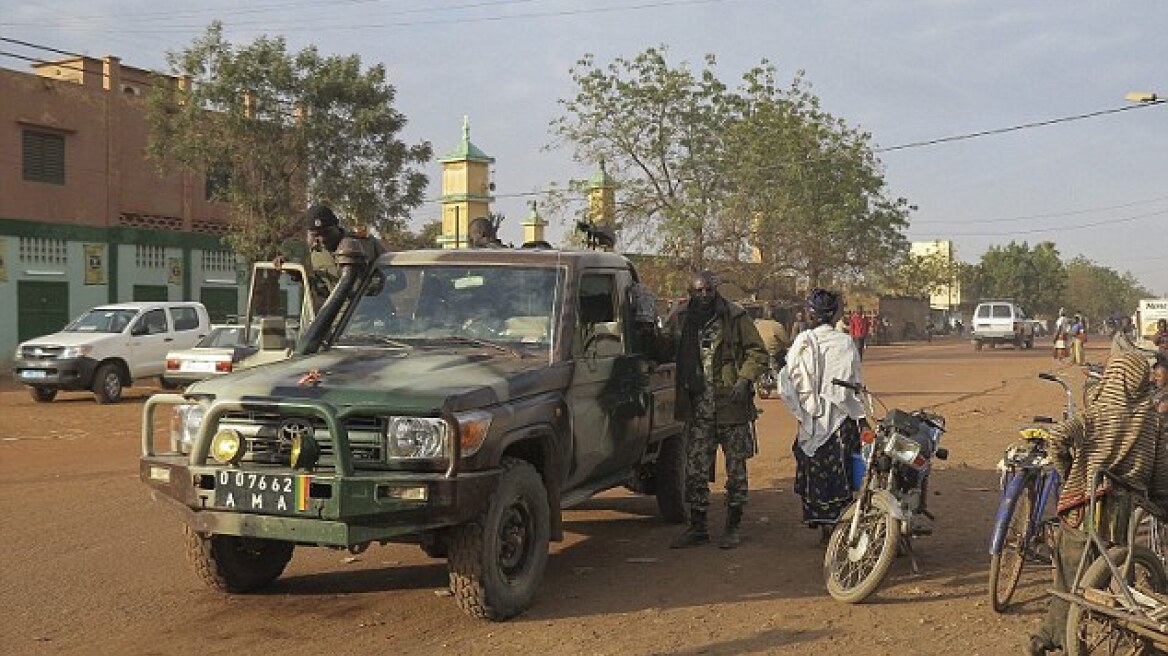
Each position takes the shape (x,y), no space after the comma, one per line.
(466,151)
(602,179)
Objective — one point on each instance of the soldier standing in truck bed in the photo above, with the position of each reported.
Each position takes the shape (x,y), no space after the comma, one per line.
(324,236)
(719,354)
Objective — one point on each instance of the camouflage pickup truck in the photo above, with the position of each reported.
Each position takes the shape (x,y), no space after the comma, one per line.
(454,399)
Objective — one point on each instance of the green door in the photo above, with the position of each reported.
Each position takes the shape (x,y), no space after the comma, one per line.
(41,307)
(151,293)
(221,302)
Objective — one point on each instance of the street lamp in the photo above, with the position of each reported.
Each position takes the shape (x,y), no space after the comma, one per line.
(1143,97)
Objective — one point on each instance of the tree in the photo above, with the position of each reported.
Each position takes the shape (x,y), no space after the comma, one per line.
(1034,278)
(277,129)
(758,180)
(919,275)
(406,240)
(1099,292)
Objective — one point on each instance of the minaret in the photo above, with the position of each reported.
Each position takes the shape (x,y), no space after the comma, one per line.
(533,226)
(466,189)
(602,200)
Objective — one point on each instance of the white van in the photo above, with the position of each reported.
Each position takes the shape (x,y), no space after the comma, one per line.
(1001,322)
(108,348)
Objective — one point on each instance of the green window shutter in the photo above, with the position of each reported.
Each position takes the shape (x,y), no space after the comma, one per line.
(44,157)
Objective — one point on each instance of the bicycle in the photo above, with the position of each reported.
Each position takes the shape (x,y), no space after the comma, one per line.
(1023,532)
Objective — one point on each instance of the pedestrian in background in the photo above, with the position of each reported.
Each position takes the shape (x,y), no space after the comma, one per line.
(798,325)
(719,355)
(858,328)
(1061,324)
(1077,334)
(829,415)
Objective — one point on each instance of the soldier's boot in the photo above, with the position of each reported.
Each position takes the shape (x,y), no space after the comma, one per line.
(731,538)
(696,534)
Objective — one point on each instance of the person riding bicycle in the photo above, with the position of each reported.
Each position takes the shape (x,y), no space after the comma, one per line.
(1119,432)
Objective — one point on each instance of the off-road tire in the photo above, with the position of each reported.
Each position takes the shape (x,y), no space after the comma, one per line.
(1006,565)
(669,479)
(497,559)
(107,383)
(42,394)
(883,535)
(1147,571)
(229,563)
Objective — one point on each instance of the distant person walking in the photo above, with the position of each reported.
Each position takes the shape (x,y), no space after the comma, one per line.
(858,329)
(1077,333)
(1061,324)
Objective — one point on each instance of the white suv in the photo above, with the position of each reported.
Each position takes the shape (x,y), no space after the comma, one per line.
(1001,322)
(108,347)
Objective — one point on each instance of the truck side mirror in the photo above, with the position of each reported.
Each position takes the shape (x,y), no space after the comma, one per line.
(644,304)
(138,329)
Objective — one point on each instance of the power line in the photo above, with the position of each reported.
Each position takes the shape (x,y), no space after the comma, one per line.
(1062,228)
(1051,215)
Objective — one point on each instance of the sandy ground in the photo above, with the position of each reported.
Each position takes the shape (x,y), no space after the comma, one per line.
(89,564)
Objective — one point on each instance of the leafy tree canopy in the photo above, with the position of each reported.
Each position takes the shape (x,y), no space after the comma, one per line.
(758,181)
(280,130)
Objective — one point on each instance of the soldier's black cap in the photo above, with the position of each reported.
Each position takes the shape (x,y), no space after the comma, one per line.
(318,217)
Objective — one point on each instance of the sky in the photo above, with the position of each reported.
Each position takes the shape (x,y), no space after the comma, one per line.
(1000,121)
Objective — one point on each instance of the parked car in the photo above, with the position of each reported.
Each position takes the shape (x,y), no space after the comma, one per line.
(108,348)
(227,348)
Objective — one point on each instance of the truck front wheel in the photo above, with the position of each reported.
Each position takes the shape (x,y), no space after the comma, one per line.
(107,383)
(669,477)
(236,564)
(497,559)
(42,394)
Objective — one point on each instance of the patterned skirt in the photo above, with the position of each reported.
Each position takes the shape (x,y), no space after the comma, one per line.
(824,480)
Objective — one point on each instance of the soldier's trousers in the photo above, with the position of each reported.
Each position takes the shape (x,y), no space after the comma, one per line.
(702,441)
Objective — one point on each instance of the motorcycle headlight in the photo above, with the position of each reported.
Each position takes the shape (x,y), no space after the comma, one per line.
(75,351)
(184,426)
(905,450)
(416,437)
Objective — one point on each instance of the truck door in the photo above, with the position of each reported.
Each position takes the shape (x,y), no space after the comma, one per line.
(606,398)
(150,339)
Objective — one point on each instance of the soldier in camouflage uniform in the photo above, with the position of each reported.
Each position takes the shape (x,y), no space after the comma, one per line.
(324,236)
(719,355)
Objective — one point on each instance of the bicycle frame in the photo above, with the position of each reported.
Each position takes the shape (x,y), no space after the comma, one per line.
(1046,484)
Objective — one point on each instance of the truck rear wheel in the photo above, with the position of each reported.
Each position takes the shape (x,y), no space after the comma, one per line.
(669,477)
(107,383)
(231,563)
(497,559)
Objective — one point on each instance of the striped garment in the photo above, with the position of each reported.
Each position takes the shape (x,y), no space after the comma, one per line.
(1120,431)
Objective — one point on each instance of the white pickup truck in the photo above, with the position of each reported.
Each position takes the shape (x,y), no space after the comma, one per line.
(108,348)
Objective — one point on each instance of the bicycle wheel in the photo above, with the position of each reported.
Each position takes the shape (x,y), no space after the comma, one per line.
(1094,633)
(1006,565)
(853,572)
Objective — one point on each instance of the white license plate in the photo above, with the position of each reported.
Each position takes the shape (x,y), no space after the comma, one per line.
(33,373)
(200,367)
(269,493)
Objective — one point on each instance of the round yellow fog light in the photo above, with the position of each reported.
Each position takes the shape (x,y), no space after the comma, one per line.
(227,447)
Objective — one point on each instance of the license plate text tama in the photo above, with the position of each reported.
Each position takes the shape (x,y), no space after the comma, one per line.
(269,493)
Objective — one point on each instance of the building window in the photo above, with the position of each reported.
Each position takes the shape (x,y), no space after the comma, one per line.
(44,157)
(35,250)
(219,260)
(149,257)
(216,185)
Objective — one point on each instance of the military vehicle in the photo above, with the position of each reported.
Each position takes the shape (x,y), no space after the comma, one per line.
(455,399)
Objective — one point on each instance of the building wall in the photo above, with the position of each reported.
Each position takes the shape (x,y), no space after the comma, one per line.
(116,222)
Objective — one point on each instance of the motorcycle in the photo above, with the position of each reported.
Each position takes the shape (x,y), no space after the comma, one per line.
(768,383)
(891,498)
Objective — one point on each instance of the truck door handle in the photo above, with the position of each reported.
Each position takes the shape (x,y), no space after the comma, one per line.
(168,339)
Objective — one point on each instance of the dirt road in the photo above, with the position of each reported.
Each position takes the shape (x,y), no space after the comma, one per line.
(90,565)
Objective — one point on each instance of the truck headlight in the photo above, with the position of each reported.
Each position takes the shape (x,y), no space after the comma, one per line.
(416,437)
(76,351)
(184,426)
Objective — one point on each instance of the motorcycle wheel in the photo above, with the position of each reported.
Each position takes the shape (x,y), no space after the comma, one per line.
(1006,565)
(1094,633)
(853,572)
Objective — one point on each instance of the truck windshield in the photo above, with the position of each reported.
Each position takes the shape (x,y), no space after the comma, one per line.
(514,305)
(102,320)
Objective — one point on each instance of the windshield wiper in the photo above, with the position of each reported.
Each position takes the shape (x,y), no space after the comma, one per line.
(370,338)
(478,341)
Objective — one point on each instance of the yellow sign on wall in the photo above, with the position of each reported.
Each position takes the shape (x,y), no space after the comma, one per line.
(95,264)
(176,271)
